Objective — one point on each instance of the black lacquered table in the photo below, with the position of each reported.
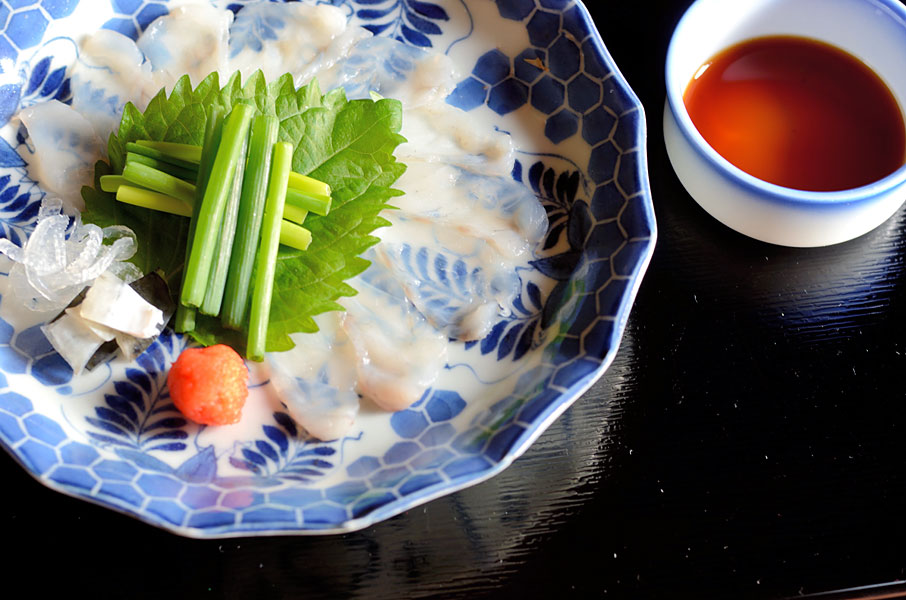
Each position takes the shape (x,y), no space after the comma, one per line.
(747,442)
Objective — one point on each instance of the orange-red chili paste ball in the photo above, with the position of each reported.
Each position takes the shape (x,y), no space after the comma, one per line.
(209,385)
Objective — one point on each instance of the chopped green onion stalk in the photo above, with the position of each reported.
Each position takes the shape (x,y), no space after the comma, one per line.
(147,177)
(186,152)
(294,235)
(320,205)
(293,213)
(266,261)
(263,135)
(185,316)
(111,183)
(137,196)
(160,165)
(291,234)
(157,154)
(213,296)
(304,191)
(308,185)
(211,144)
(210,213)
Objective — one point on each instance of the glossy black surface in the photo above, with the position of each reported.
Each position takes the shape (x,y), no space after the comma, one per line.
(748,441)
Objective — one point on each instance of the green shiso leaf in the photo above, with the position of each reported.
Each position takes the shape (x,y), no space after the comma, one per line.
(347,144)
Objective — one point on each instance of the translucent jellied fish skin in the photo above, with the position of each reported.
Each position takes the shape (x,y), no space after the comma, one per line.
(62,256)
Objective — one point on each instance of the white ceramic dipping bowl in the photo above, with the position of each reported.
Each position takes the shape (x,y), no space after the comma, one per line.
(873,31)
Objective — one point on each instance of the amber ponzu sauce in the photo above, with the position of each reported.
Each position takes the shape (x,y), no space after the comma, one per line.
(798,113)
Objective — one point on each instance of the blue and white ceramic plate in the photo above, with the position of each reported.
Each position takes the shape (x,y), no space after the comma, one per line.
(535,68)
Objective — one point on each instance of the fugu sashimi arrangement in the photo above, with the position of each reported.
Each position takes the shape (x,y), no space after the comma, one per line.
(266,202)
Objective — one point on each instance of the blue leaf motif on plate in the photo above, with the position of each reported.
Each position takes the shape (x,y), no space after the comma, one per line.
(445,285)
(409,21)
(9,157)
(518,332)
(557,192)
(46,83)
(139,414)
(18,201)
(445,288)
(281,453)
(44,75)
(9,101)
(568,219)
(199,468)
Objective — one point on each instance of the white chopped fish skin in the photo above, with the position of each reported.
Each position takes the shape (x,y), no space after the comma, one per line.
(399,355)
(62,256)
(193,39)
(112,303)
(73,338)
(65,148)
(104,333)
(109,72)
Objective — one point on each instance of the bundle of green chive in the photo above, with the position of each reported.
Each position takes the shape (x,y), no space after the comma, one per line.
(243,201)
